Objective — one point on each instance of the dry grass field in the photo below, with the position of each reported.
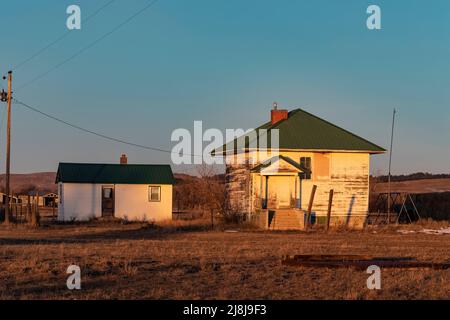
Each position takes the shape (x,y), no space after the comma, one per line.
(415,186)
(183,260)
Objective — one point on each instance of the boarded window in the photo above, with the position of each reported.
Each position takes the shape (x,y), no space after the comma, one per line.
(321,166)
(154,194)
(305,162)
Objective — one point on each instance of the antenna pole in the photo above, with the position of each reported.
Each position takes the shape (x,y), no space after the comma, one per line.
(390,162)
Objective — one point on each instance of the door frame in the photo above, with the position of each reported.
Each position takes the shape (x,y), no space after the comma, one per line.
(289,184)
(109,186)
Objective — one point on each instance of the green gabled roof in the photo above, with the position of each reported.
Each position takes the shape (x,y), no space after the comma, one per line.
(114,173)
(305,131)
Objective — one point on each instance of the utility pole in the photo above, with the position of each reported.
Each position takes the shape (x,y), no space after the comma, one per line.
(390,161)
(8,150)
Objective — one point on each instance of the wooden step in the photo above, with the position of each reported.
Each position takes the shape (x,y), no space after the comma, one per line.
(287,220)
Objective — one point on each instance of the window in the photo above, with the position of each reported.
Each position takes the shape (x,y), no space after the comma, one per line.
(321,166)
(306,163)
(107,193)
(154,194)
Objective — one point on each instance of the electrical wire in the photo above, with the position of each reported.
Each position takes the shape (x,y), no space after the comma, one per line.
(122,141)
(63,36)
(90,45)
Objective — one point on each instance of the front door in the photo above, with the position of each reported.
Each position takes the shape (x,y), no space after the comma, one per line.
(280,192)
(107,201)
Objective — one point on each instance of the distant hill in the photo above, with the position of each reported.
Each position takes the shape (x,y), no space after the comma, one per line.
(413,176)
(414,186)
(42,182)
(419,182)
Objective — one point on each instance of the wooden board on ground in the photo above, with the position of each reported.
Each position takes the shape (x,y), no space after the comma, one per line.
(359,262)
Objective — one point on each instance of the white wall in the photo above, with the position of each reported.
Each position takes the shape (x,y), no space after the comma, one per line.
(79,201)
(83,201)
(132,202)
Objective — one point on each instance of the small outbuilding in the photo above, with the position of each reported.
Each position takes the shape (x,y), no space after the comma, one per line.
(127,191)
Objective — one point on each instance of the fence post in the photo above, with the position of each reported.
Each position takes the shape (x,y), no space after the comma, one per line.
(35,212)
(28,208)
(330,204)
(311,201)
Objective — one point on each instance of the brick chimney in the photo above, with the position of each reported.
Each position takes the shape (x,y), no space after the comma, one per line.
(123,159)
(277,115)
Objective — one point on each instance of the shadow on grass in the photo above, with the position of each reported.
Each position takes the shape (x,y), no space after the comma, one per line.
(141,231)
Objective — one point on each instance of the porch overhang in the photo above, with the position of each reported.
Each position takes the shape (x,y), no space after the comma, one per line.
(279,166)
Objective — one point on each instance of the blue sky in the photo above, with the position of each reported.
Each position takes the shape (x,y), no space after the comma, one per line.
(225,62)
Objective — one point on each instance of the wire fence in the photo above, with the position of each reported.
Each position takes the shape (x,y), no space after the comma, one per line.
(29,213)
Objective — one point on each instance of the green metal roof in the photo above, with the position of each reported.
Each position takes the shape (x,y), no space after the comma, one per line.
(305,131)
(114,173)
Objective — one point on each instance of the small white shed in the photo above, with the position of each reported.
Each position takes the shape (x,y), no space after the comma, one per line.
(127,191)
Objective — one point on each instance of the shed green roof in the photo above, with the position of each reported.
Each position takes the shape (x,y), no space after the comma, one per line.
(305,131)
(114,173)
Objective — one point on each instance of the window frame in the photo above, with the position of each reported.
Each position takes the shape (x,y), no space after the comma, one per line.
(61,190)
(306,176)
(111,189)
(150,193)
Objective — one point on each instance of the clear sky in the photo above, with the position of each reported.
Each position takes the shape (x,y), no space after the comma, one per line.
(225,62)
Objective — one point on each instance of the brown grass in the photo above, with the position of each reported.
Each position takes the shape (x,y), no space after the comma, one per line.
(184,260)
(414,186)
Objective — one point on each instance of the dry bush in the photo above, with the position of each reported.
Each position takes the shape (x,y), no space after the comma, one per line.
(431,224)
(184,225)
(204,192)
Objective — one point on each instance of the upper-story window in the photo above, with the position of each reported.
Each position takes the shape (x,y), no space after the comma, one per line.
(306,163)
(321,166)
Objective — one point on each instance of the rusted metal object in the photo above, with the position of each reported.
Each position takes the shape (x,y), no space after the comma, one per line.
(359,262)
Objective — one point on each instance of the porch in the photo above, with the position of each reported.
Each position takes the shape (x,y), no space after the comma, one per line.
(280,219)
(277,194)
(277,184)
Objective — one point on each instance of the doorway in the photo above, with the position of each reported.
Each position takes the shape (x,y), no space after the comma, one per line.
(281,191)
(107,201)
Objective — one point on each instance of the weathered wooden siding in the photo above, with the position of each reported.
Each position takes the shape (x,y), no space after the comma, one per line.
(346,173)
(349,178)
(237,187)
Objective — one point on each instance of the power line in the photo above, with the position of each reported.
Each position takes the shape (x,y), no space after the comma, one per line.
(122,141)
(64,35)
(76,54)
